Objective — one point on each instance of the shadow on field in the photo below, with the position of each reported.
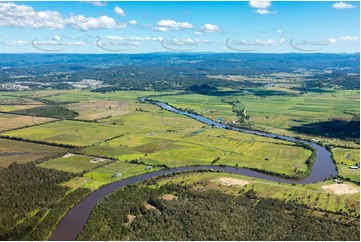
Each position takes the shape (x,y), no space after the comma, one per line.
(258,92)
(266,92)
(332,128)
(317,90)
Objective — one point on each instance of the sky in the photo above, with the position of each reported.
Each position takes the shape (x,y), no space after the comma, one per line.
(145,27)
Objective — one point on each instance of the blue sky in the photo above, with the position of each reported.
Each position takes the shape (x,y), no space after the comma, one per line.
(142,27)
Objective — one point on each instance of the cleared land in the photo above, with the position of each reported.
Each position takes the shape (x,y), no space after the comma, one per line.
(340,189)
(69,132)
(77,95)
(344,159)
(98,108)
(107,174)
(12,121)
(72,163)
(11,108)
(22,152)
(164,138)
(313,195)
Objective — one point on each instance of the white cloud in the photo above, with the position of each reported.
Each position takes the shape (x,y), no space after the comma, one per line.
(332,40)
(282,40)
(13,15)
(210,28)
(97,3)
(82,23)
(198,33)
(56,37)
(260,4)
(279,31)
(133,21)
(342,5)
(167,25)
(348,38)
(161,29)
(119,11)
(25,16)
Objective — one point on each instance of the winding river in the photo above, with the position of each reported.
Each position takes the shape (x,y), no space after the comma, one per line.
(74,221)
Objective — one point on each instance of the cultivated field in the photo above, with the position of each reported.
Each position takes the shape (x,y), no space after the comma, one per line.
(163,138)
(21,152)
(13,121)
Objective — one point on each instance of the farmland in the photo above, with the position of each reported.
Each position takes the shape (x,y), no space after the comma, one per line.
(13,121)
(69,132)
(22,152)
(278,110)
(172,140)
(72,163)
(77,95)
(106,174)
(344,159)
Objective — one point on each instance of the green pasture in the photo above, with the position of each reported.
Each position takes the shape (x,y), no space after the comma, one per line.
(69,132)
(73,163)
(79,95)
(345,158)
(108,174)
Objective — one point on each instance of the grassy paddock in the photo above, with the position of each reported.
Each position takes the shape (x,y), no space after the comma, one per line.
(107,174)
(69,132)
(71,163)
(345,158)
(164,138)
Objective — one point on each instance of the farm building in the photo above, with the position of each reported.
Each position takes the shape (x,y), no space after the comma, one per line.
(354,167)
(117,175)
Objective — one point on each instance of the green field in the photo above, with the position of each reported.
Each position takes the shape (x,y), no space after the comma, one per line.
(173,140)
(312,195)
(77,95)
(107,174)
(344,159)
(69,132)
(22,152)
(276,110)
(71,163)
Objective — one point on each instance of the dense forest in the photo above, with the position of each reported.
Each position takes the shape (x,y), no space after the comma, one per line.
(140,213)
(32,202)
